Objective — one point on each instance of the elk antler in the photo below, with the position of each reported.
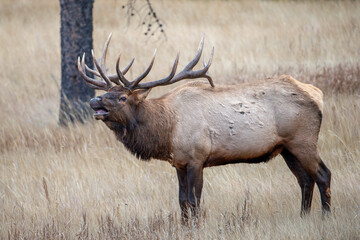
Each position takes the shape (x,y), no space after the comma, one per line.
(186,73)
(101,70)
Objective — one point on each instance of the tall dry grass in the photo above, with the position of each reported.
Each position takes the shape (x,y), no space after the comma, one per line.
(79,182)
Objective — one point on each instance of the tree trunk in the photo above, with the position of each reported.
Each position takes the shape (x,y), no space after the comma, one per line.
(76,38)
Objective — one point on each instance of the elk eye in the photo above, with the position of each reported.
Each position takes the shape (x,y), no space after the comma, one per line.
(122,99)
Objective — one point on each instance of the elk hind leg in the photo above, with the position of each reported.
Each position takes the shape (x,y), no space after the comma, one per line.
(305,180)
(312,163)
(323,178)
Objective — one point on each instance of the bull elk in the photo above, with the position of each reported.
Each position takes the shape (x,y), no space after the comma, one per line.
(197,125)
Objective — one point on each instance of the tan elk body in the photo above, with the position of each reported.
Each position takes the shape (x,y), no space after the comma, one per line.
(197,125)
(240,123)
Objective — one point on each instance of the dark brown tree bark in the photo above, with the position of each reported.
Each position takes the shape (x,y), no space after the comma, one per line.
(76,38)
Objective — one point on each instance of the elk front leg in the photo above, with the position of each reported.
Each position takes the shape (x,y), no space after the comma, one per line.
(195,184)
(183,194)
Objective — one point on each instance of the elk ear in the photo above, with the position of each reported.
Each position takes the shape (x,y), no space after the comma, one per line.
(141,94)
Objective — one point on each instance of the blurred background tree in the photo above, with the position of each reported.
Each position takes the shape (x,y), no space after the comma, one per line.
(76,38)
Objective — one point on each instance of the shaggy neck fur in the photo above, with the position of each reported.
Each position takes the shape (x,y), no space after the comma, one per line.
(149,134)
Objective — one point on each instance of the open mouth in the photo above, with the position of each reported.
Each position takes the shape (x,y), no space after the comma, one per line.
(100,113)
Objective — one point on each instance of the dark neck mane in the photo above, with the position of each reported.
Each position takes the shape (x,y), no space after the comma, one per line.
(149,134)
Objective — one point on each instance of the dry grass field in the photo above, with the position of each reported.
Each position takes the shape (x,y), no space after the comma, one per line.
(80,183)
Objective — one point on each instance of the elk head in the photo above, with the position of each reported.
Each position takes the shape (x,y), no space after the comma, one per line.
(121,101)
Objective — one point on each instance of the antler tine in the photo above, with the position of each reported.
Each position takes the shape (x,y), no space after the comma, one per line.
(120,74)
(142,76)
(112,78)
(208,66)
(115,78)
(196,74)
(102,59)
(92,71)
(161,81)
(103,56)
(94,86)
(88,80)
(98,67)
(126,69)
(197,56)
(188,73)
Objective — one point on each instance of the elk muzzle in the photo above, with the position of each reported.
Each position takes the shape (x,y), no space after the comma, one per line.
(100,111)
